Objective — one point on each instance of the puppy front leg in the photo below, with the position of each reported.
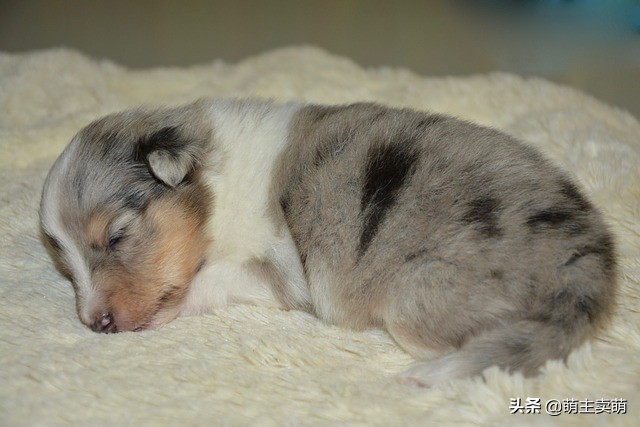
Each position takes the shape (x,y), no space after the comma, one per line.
(227,282)
(280,266)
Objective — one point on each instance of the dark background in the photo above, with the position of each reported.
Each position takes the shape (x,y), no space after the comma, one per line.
(593,45)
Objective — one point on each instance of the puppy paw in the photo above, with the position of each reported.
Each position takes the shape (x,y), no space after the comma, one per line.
(410,381)
(418,376)
(429,374)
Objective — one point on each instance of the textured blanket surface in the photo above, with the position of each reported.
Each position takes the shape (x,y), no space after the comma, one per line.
(254,366)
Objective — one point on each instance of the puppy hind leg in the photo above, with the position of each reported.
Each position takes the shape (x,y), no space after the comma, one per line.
(523,346)
(432,368)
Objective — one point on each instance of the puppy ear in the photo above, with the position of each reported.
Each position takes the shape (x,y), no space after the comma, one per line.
(171,154)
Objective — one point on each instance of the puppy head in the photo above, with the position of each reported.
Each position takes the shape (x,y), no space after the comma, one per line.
(123,211)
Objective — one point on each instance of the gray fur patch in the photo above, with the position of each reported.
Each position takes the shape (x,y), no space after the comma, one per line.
(483,214)
(386,208)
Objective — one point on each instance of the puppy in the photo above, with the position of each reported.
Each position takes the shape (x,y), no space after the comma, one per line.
(451,236)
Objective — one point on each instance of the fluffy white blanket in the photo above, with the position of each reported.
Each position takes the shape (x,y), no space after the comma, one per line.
(255,366)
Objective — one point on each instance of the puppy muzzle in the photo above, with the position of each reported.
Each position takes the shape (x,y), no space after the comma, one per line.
(105,323)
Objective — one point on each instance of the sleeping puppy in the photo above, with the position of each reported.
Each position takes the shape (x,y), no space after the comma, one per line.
(451,236)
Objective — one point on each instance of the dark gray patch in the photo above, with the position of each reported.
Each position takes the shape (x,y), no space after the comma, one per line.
(135,196)
(134,201)
(571,192)
(556,308)
(387,169)
(107,142)
(414,255)
(428,121)
(557,217)
(320,113)
(167,139)
(551,216)
(542,316)
(439,165)
(375,117)
(602,249)
(589,307)
(78,184)
(497,274)
(458,338)
(483,214)
(607,252)
(519,346)
(569,307)
(285,203)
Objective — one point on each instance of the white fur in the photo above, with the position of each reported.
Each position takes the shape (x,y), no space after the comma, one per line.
(89,300)
(225,283)
(248,137)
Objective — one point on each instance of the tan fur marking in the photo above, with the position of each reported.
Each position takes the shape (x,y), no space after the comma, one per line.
(97,229)
(156,284)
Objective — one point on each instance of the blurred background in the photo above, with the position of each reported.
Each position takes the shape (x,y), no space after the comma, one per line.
(593,45)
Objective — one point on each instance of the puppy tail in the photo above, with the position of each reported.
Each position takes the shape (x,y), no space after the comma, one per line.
(562,322)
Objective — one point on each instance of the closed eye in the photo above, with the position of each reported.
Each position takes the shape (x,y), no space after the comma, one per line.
(115,239)
(118,229)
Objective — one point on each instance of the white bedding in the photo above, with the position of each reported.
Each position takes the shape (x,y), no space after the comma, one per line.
(255,366)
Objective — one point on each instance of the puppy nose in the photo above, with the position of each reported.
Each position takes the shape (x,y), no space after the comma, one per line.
(104,324)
